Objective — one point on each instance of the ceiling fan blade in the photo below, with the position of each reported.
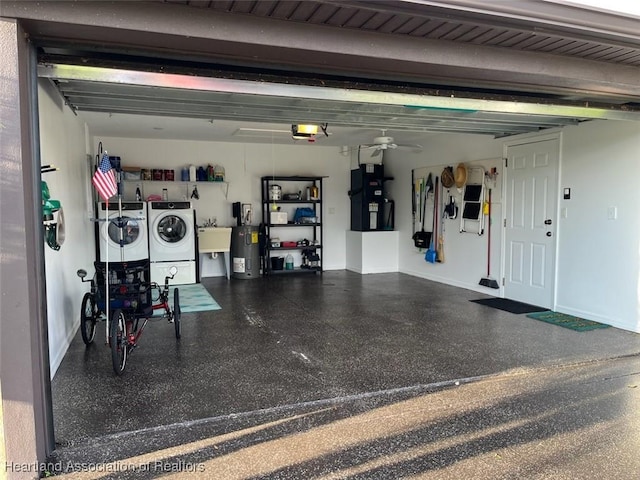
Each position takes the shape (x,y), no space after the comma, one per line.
(416,146)
(376,152)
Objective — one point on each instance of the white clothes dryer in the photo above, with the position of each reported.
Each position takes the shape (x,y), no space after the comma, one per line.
(172,241)
(123,238)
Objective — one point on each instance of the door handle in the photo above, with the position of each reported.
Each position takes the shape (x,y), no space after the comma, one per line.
(549,234)
(548,221)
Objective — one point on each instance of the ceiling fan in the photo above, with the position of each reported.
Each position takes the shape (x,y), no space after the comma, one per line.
(386,143)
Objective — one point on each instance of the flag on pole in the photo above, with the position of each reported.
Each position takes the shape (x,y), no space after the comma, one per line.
(104,179)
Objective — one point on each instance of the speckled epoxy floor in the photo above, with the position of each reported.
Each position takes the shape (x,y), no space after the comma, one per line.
(294,356)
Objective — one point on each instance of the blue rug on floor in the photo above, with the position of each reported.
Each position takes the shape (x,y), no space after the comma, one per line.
(193,298)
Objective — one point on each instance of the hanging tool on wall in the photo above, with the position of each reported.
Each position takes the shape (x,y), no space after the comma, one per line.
(489,281)
(451,209)
(413,201)
(440,249)
(447,179)
(52,214)
(422,239)
(490,182)
(431,255)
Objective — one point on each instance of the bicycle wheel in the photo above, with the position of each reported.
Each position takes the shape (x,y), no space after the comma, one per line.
(118,341)
(88,318)
(176,311)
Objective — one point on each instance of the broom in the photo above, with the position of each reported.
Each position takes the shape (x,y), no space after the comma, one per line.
(431,254)
(488,281)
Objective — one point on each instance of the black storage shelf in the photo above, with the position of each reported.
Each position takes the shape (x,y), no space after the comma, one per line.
(290,178)
(297,247)
(276,225)
(300,202)
(296,270)
(312,231)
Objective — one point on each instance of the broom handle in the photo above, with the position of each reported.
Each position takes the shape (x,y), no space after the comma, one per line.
(434,223)
(440,249)
(424,208)
(489,238)
(435,215)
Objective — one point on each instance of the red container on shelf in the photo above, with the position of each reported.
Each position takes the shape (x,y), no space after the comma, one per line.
(168,175)
(158,174)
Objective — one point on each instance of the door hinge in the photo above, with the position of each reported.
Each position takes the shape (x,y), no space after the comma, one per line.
(506,162)
(503,281)
(504,223)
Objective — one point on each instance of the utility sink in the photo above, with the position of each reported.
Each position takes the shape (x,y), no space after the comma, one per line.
(214,239)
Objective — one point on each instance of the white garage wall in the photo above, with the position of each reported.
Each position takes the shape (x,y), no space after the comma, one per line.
(62,143)
(465,253)
(244,165)
(598,257)
(598,274)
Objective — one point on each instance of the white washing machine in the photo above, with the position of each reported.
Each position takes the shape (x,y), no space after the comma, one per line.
(172,241)
(123,238)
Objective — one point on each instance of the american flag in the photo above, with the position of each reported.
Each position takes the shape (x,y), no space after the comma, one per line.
(104,179)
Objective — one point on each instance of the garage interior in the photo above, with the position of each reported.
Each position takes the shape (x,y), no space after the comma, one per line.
(344,337)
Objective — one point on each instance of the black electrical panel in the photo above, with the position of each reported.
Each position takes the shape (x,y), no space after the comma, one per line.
(367,198)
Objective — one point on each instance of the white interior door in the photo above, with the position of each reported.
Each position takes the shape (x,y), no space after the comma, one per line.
(531,223)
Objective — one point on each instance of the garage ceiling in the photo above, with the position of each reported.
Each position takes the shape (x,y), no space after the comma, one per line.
(91,89)
(529,66)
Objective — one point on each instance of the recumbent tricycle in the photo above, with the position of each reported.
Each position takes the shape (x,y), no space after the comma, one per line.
(131,299)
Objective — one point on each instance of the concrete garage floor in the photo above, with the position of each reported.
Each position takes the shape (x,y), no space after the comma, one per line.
(349,376)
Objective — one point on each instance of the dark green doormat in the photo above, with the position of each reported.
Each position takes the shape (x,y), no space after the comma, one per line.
(567,321)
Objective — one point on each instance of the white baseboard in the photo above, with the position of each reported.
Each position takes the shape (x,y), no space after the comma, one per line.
(447,281)
(597,318)
(54,362)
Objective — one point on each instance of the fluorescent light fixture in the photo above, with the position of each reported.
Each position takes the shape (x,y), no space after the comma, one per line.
(260,132)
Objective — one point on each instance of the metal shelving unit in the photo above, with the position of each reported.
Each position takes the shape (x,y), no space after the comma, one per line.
(312,231)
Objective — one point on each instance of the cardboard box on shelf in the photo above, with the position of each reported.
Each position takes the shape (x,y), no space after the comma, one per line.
(278,218)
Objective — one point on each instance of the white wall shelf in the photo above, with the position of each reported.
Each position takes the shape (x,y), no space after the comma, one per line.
(224,185)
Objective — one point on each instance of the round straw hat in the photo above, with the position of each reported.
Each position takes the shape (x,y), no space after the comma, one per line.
(461,175)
